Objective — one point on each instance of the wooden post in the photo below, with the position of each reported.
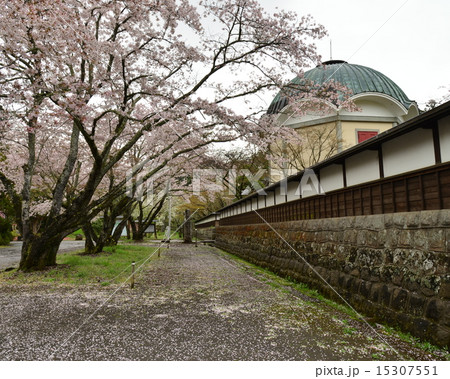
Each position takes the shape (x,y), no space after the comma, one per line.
(132,275)
(187,227)
(196,237)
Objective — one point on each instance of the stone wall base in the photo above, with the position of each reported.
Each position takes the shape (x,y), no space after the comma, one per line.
(393,267)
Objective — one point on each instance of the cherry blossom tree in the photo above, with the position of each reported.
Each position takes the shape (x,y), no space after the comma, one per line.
(91,79)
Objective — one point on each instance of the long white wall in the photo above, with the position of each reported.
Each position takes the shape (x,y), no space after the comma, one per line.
(408,152)
(293,191)
(332,177)
(411,151)
(362,167)
(444,138)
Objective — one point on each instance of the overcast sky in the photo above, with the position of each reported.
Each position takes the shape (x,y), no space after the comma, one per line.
(407,40)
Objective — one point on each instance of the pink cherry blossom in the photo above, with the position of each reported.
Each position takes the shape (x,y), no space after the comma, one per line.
(91,88)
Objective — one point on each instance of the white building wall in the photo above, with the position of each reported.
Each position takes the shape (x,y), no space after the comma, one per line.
(375,107)
(331,178)
(409,152)
(444,137)
(362,167)
(270,200)
(255,203)
(293,191)
(261,201)
(281,193)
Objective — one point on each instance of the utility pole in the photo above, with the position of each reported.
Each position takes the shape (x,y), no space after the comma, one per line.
(187,226)
(170,216)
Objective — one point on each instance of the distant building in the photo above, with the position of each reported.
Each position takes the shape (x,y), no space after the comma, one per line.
(382,105)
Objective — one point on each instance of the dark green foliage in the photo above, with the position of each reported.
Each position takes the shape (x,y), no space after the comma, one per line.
(97,225)
(6,223)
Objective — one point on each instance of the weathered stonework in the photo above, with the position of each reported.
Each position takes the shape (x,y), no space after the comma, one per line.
(205,233)
(394,267)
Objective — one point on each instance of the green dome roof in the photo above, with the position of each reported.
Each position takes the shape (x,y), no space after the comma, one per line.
(358,79)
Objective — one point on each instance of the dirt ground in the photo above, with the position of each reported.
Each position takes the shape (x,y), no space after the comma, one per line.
(193,303)
(10,255)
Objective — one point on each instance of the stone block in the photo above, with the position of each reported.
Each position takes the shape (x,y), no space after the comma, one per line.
(417,304)
(373,239)
(334,277)
(437,239)
(419,239)
(429,219)
(374,222)
(447,240)
(365,274)
(437,309)
(364,288)
(355,285)
(391,238)
(355,272)
(399,220)
(441,337)
(405,238)
(429,285)
(420,327)
(444,291)
(411,284)
(399,299)
(385,295)
(342,280)
(388,220)
(412,220)
(375,291)
(444,218)
(361,238)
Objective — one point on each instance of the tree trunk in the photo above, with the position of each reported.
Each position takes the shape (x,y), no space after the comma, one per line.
(39,252)
(89,244)
(128,230)
(138,235)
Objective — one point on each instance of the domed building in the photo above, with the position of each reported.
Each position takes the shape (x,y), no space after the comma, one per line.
(381,103)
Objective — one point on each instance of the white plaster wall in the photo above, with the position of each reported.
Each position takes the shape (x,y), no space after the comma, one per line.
(409,152)
(293,191)
(270,199)
(444,137)
(261,201)
(371,107)
(281,193)
(331,178)
(255,203)
(362,167)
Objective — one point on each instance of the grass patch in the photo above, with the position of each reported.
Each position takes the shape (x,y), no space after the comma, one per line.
(349,330)
(112,266)
(73,235)
(407,337)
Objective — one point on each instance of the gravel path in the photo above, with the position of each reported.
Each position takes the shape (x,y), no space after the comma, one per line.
(190,304)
